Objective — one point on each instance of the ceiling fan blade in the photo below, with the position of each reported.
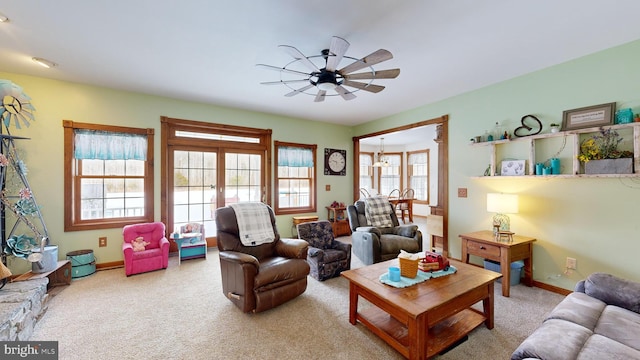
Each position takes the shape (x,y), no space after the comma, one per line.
(362,86)
(338,47)
(301,90)
(320,96)
(382,74)
(371,59)
(299,56)
(275,68)
(282,82)
(345,93)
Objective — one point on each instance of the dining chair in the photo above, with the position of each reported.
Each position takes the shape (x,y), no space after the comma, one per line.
(395,193)
(406,204)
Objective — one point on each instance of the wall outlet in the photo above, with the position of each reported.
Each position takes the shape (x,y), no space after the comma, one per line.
(102,241)
(462,192)
(571,263)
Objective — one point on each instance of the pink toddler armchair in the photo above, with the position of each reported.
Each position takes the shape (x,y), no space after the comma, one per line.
(156,254)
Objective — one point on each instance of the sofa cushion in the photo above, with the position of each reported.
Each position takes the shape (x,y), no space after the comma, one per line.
(392,244)
(620,325)
(614,290)
(599,347)
(579,308)
(554,340)
(276,271)
(319,234)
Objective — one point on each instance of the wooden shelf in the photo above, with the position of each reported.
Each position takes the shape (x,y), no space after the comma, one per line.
(572,136)
(59,277)
(442,335)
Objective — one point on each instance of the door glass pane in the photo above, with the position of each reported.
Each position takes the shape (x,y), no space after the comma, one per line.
(194,193)
(242,178)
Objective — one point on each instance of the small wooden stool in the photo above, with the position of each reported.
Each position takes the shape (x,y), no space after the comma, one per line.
(505,235)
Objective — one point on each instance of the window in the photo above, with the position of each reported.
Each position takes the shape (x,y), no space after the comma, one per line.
(418,173)
(295,178)
(108,176)
(389,176)
(366,171)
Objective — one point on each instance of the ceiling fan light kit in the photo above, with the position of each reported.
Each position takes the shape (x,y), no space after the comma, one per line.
(329,78)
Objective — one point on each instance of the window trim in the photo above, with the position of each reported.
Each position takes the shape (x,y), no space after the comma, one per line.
(168,139)
(314,181)
(72,203)
(428,175)
(371,172)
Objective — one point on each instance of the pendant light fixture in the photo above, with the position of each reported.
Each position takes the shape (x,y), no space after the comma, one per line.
(381,159)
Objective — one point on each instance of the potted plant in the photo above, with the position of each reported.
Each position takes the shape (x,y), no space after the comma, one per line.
(555,127)
(600,154)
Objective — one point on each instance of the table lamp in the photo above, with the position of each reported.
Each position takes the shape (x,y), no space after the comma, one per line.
(502,204)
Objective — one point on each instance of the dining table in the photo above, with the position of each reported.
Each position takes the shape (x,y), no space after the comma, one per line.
(395,201)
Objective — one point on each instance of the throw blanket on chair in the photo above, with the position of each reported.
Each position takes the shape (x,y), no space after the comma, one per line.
(254,223)
(377,210)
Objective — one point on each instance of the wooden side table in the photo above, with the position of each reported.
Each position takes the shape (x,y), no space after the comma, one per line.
(483,244)
(339,222)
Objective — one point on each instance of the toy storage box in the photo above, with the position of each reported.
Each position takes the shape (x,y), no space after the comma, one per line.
(516,270)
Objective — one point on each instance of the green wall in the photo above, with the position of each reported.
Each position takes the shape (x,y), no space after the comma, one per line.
(592,220)
(56,101)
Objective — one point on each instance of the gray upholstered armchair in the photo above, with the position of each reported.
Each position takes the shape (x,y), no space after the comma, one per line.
(373,244)
(327,256)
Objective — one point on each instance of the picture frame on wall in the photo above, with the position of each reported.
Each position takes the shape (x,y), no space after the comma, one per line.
(512,168)
(589,116)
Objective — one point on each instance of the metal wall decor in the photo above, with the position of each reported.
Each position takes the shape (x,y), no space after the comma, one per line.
(529,127)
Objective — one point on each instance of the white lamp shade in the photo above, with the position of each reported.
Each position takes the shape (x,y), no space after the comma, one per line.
(502,203)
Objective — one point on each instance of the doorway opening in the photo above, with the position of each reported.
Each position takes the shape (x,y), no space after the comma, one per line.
(438,203)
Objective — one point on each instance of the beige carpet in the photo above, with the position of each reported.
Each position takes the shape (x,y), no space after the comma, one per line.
(181,313)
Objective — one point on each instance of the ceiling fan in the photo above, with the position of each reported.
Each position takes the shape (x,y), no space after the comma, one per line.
(321,73)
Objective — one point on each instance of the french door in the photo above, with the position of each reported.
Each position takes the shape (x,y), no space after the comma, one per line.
(204,180)
(204,170)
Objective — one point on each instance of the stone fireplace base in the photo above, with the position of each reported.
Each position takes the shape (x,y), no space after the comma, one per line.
(22,304)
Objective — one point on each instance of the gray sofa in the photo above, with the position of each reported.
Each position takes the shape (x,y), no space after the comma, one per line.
(599,320)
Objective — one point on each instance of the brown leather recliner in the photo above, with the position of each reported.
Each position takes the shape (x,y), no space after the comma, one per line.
(258,278)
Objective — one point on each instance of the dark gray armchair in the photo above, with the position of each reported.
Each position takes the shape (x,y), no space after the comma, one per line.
(326,256)
(375,244)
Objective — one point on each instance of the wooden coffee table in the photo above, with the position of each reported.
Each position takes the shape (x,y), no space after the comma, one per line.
(422,320)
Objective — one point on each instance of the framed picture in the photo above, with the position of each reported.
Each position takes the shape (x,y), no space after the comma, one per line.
(512,168)
(590,116)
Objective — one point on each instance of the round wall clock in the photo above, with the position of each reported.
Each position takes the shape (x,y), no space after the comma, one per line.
(335,162)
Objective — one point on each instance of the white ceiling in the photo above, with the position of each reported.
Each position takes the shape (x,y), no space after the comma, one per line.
(206,51)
